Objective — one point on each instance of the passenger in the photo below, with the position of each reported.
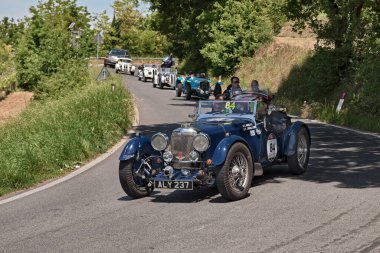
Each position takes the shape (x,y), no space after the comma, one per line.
(255,86)
(232,89)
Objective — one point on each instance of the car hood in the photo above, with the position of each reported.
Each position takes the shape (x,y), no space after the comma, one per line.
(222,124)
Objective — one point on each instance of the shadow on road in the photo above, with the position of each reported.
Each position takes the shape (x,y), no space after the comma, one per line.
(338,156)
(179,196)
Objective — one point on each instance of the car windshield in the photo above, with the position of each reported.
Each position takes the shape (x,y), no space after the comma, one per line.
(148,65)
(226,108)
(166,70)
(118,52)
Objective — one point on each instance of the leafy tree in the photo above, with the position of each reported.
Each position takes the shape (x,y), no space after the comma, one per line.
(178,21)
(342,23)
(217,34)
(11,31)
(49,43)
(237,29)
(131,30)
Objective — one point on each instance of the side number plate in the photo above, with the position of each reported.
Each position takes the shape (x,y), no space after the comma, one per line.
(179,185)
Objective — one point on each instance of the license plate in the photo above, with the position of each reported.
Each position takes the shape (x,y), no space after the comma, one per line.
(179,185)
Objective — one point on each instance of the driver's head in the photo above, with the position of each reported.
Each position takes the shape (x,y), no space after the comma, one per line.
(235,81)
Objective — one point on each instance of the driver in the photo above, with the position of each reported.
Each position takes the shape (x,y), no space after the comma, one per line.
(232,89)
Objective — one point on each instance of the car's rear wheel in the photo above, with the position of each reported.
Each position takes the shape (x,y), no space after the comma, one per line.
(298,162)
(132,184)
(188,92)
(235,177)
(179,90)
(161,84)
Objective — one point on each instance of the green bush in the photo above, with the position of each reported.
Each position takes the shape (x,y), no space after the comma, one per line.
(52,136)
(368,82)
(71,75)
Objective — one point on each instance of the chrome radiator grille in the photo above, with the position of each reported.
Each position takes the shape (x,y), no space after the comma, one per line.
(182,145)
(204,85)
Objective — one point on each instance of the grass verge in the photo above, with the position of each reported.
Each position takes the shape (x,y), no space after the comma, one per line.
(50,137)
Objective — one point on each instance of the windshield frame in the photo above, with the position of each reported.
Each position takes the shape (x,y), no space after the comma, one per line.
(202,115)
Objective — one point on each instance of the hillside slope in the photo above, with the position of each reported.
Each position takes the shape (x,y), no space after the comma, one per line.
(309,82)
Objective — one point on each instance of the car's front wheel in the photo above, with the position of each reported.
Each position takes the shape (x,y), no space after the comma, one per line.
(133,185)
(188,92)
(179,90)
(235,177)
(298,162)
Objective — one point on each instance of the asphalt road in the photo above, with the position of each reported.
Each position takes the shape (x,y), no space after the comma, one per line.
(333,207)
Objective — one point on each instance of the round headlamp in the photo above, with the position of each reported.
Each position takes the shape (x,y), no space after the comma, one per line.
(201,142)
(160,141)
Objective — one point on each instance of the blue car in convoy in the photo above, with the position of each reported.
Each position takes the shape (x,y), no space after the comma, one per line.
(198,87)
(227,144)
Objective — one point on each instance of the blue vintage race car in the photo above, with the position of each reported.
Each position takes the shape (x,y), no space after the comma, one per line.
(199,87)
(228,144)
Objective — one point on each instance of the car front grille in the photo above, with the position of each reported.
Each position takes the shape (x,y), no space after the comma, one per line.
(182,145)
(205,85)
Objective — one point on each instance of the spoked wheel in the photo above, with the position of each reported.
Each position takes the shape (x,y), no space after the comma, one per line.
(299,160)
(235,177)
(131,182)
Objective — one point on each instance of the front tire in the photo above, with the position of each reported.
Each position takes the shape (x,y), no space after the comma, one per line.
(298,162)
(235,177)
(133,186)
(179,90)
(188,92)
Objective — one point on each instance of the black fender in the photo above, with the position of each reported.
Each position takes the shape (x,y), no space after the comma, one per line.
(137,147)
(221,151)
(290,142)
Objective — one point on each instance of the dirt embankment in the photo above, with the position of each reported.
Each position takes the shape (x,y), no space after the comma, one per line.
(13,105)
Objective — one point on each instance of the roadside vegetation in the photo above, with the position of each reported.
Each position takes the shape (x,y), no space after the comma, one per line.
(7,71)
(72,118)
(54,135)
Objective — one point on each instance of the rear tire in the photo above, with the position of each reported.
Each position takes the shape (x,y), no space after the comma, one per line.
(179,90)
(235,177)
(128,182)
(188,92)
(298,162)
